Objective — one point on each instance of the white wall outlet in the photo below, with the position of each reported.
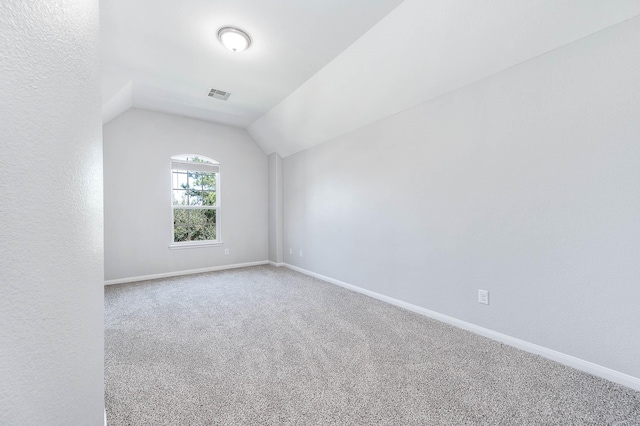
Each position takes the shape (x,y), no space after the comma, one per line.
(300,253)
(226,251)
(290,251)
(483,296)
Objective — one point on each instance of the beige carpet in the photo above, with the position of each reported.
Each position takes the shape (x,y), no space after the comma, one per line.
(266,345)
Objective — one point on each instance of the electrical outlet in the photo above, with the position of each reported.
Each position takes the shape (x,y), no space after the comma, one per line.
(483,297)
(300,253)
(226,251)
(290,251)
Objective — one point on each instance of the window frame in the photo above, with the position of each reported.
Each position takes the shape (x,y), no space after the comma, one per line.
(199,243)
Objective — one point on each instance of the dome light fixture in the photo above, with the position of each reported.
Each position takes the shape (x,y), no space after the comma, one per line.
(234,39)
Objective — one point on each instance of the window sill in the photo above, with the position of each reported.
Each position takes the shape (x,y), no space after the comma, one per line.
(194,244)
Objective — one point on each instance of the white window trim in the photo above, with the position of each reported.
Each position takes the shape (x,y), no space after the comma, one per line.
(194,244)
(197,244)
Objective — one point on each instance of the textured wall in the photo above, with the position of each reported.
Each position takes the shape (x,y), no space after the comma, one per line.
(138,146)
(51,243)
(525,184)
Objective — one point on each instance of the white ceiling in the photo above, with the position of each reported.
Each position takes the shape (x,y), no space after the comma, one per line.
(318,69)
(170,53)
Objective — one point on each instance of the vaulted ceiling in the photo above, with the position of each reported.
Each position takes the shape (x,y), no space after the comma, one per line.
(169,53)
(318,69)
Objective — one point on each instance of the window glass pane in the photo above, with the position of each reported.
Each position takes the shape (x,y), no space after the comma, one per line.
(195,180)
(209,198)
(177,179)
(195,198)
(197,159)
(210,232)
(196,224)
(208,181)
(180,197)
(180,234)
(181,180)
(180,225)
(196,233)
(210,224)
(196,217)
(180,217)
(210,217)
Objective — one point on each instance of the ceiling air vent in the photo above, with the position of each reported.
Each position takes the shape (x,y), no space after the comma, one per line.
(219,94)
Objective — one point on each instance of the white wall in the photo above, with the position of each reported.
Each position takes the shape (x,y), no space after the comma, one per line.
(138,222)
(525,184)
(276,219)
(51,246)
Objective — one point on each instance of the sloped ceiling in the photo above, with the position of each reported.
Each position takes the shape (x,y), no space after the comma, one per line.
(169,52)
(292,95)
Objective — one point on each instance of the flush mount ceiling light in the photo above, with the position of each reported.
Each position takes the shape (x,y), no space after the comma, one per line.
(234,39)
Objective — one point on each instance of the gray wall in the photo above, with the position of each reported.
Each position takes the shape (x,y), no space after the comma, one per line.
(275,209)
(138,221)
(525,184)
(51,246)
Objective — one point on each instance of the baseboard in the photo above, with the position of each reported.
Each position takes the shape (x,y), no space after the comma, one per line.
(568,360)
(276,264)
(185,272)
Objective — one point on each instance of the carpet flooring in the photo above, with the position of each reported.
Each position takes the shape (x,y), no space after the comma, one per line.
(267,345)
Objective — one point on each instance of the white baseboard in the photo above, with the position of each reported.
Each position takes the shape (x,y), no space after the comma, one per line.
(186,272)
(276,264)
(568,360)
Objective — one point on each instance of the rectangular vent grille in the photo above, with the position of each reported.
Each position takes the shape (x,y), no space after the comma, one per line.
(219,94)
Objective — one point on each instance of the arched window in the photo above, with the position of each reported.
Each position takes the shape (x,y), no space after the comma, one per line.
(195,199)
